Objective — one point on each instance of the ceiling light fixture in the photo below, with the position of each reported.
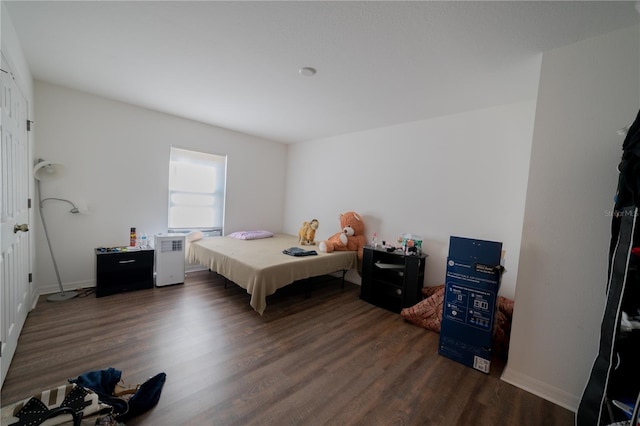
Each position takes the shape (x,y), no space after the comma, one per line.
(307,71)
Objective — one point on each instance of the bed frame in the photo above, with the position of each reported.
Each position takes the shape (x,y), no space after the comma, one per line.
(260,267)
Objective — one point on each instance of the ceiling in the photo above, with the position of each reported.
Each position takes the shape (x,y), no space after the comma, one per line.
(236,64)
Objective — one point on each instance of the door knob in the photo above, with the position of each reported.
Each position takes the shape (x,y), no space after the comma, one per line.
(24,228)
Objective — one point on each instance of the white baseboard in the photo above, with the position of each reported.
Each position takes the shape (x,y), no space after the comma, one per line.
(543,390)
(194,268)
(53,288)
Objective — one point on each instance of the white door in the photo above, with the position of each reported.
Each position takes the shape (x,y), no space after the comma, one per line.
(14,211)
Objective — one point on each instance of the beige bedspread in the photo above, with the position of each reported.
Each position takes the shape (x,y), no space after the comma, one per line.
(260,267)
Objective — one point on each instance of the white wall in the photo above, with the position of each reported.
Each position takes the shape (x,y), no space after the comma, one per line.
(13,53)
(12,50)
(463,174)
(117,160)
(587,91)
(402,179)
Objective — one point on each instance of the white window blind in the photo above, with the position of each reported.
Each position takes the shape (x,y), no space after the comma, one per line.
(196,190)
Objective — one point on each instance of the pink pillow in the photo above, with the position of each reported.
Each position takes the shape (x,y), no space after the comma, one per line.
(250,235)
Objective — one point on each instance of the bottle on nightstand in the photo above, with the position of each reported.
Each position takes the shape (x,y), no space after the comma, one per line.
(132,237)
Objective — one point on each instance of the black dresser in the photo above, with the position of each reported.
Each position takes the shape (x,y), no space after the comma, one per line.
(118,271)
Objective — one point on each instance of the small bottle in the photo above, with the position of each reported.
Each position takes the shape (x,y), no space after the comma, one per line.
(374,241)
(132,237)
(144,242)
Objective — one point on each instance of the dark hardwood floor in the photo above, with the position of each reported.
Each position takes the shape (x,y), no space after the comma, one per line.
(328,359)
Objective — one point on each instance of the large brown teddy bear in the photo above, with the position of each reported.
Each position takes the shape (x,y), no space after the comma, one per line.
(351,238)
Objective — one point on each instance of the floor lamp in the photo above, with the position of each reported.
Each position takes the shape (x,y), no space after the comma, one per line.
(46,170)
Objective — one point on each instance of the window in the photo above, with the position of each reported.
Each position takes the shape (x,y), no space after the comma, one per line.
(196,191)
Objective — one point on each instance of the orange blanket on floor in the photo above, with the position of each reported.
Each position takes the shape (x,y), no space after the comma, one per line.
(428,314)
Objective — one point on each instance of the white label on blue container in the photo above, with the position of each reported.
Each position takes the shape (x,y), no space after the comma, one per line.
(481,364)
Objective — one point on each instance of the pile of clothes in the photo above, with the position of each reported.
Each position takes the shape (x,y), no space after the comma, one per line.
(93,398)
(428,314)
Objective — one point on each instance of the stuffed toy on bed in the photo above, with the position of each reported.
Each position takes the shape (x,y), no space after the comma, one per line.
(307,233)
(351,238)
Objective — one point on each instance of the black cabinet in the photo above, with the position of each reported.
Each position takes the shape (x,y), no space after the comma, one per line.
(392,280)
(119,271)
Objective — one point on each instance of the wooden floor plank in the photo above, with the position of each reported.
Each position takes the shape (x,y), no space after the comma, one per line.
(330,359)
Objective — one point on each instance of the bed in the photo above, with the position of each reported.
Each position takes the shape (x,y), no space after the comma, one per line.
(259,265)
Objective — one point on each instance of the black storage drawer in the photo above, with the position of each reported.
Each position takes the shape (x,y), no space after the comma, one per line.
(394,277)
(123,271)
(387,296)
(126,261)
(392,280)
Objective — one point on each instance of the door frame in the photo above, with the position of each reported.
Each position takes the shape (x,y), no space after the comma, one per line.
(30,299)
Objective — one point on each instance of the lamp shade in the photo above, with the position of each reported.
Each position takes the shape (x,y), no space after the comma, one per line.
(46,170)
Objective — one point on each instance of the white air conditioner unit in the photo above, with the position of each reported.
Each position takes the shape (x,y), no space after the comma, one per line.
(169,259)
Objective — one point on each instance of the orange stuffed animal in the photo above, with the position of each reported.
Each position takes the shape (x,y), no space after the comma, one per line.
(351,238)
(307,233)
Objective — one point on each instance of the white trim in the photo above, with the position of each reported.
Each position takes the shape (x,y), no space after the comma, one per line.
(194,268)
(53,288)
(543,390)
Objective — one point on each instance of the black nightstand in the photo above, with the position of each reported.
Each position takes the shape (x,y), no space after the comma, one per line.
(119,271)
(392,280)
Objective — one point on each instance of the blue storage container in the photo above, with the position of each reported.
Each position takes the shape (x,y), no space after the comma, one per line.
(471,291)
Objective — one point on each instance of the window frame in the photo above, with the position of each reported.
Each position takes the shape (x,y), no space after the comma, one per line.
(190,156)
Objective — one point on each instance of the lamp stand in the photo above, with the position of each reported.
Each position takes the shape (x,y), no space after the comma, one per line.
(58,297)
(61,297)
